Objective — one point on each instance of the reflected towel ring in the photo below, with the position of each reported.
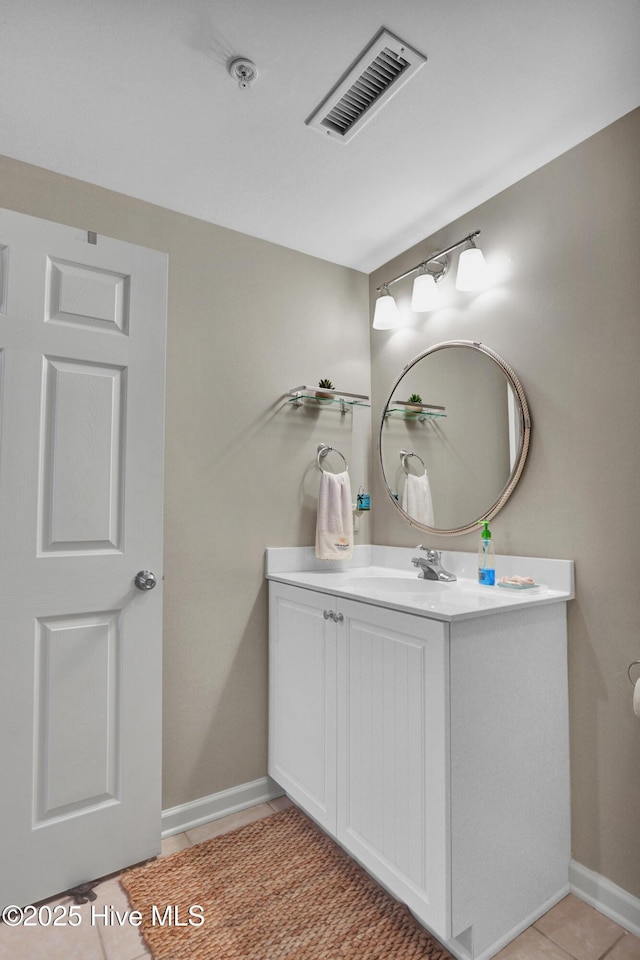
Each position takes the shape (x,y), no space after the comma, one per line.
(404,456)
(323,450)
(636,663)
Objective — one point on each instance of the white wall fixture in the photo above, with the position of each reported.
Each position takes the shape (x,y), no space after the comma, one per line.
(472,270)
(471,276)
(386,315)
(426,295)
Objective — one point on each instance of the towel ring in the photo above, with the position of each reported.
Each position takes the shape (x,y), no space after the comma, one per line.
(404,456)
(636,663)
(323,450)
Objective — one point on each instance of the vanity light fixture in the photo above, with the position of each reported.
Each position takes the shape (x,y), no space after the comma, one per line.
(472,270)
(386,315)
(426,295)
(471,276)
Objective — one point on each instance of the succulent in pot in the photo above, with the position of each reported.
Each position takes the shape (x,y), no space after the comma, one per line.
(413,406)
(325,384)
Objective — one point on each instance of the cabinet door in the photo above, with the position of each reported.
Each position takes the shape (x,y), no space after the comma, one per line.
(302,699)
(393,795)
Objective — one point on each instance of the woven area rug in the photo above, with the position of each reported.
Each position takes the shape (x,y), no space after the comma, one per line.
(276,889)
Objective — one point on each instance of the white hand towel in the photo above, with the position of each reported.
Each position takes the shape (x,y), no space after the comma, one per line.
(416,499)
(334,529)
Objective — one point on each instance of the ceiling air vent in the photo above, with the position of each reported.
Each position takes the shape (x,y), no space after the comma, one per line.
(370,82)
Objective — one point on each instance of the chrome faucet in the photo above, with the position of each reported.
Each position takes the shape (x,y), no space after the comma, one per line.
(430,567)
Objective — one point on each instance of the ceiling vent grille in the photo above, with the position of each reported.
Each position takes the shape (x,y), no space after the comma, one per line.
(376,76)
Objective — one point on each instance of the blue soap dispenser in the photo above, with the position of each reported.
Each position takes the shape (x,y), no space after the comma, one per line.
(486,557)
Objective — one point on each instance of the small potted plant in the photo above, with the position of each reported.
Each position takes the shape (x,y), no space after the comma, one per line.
(413,406)
(325,385)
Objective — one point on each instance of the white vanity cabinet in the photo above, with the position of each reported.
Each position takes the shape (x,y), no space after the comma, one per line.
(434,751)
(357,735)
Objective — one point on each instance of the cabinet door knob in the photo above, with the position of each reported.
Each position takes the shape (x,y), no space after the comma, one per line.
(332,615)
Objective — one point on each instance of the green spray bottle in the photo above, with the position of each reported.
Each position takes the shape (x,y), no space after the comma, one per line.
(486,557)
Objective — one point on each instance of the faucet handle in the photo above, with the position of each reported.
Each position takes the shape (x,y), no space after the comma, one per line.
(433,556)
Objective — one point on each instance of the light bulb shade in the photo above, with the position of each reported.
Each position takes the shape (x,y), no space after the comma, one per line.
(472,270)
(386,315)
(426,295)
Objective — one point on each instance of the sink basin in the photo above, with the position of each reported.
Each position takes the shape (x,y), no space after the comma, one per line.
(384,577)
(394,584)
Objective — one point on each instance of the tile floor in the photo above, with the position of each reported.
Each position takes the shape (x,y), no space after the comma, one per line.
(572,930)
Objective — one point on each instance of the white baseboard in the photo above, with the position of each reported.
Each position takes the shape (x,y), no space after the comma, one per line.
(190,815)
(605,896)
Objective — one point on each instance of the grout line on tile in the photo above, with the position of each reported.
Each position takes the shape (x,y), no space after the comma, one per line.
(615,944)
(102,945)
(556,946)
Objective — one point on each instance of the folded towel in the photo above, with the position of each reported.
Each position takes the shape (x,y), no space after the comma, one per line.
(416,499)
(334,529)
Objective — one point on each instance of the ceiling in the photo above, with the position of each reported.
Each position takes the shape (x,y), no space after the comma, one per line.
(134,95)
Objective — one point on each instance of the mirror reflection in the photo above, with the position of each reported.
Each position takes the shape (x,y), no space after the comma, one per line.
(454,436)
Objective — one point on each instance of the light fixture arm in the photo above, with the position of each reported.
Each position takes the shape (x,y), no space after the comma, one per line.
(436,256)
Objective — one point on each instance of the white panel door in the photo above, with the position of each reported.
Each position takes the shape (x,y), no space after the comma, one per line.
(82,353)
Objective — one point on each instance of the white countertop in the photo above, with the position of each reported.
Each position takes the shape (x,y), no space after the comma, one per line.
(385,576)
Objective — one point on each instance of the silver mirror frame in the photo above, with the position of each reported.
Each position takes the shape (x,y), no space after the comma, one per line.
(525,437)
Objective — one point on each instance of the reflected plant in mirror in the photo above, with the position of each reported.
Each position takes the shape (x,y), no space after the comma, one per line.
(458,461)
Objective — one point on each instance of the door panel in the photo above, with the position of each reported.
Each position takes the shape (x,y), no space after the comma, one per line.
(82,346)
(81,295)
(77,676)
(83,418)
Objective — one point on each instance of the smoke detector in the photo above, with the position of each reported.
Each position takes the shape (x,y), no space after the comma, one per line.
(370,82)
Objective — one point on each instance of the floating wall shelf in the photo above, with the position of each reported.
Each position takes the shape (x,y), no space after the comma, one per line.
(309,396)
(415,411)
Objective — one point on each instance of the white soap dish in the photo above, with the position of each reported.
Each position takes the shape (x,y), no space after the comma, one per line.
(519,586)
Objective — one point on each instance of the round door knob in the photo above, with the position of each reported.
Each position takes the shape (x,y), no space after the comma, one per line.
(145,580)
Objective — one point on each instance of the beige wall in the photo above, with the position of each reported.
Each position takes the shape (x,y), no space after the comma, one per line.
(247,321)
(565,313)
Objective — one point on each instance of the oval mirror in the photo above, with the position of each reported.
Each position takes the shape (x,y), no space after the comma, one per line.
(453,456)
